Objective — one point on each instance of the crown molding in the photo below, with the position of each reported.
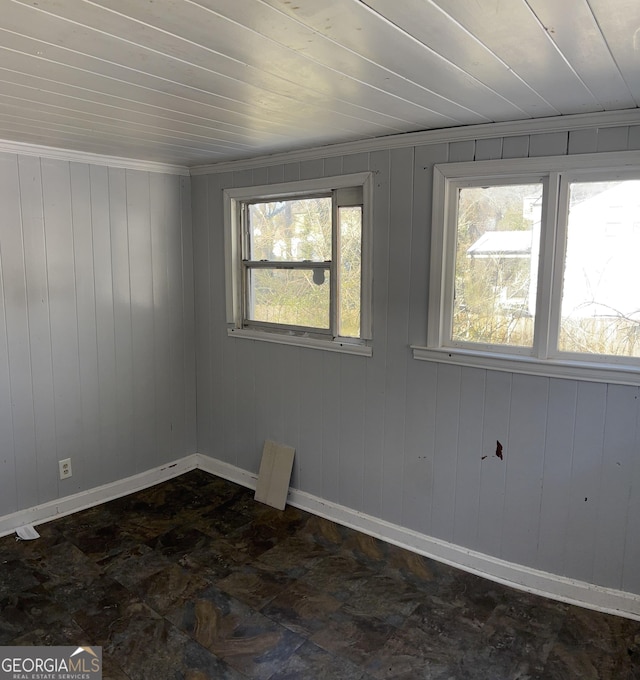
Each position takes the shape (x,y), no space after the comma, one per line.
(530,126)
(72,156)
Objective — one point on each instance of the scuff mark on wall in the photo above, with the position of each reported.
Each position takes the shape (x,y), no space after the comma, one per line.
(499,450)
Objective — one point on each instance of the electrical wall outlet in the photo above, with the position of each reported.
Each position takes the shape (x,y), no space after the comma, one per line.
(65,468)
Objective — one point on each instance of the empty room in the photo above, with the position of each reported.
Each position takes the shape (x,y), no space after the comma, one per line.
(320,339)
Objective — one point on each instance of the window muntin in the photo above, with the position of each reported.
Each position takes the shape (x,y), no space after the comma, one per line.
(299,261)
(565,181)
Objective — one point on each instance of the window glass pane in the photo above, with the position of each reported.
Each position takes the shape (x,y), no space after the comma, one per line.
(297,297)
(293,230)
(600,311)
(350,272)
(496,264)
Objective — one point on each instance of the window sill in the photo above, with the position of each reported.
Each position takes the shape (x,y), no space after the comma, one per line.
(550,368)
(341,346)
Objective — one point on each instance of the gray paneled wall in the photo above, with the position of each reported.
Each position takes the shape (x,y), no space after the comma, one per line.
(404,440)
(97,359)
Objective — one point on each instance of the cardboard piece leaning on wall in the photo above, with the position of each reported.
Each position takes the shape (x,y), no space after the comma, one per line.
(275,474)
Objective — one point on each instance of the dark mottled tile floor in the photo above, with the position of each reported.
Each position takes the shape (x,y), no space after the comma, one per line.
(192,579)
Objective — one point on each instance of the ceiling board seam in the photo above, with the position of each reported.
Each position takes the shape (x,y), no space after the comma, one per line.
(613,56)
(555,46)
(439,56)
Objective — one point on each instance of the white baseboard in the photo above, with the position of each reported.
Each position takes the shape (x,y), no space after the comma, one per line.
(60,507)
(517,576)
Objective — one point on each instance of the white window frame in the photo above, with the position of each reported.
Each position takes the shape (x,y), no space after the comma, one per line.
(233,200)
(543,358)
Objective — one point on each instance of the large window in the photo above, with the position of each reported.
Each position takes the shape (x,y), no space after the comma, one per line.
(534,266)
(298,262)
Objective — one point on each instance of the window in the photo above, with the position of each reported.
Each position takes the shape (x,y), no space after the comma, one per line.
(298,262)
(534,266)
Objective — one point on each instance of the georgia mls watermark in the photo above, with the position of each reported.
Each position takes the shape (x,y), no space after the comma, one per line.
(50,663)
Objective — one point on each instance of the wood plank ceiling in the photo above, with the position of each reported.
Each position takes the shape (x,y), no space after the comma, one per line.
(190,82)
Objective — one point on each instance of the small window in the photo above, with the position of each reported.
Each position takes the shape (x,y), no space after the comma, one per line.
(496,264)
(534,268)
(298,259)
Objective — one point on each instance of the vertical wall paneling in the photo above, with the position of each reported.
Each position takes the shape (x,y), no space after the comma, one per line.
(469,458)
(291,172)
(419,445)
(357,162)
(583,141)
(548,144)
(292,396)
(205,352)
(585,480)
(634,138)
(275,174)
(63,321)
(618,455)
(16,405)
(247,439)
(35,256)
(260,176)
(515,147)
(312,169)
(630,571)
(225,400)
(488,149)
(60,267)
(268,390)
(556,481)
(524,461)
(497,401)
(333,166)
(308,462)
(122,319)
(142,317)
(331,412)
(185,316)
(164,198)
(88,449)
(400,208)
(352,411)
(613,139)
(214,409)
(105,462)
(420,411)
(7,450)
(376,366)
(445,463)
(170,300)
(462,151)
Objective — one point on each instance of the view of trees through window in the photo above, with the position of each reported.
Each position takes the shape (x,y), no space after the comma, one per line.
(498,232)
(496,267)
(295,235)
(350,271)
